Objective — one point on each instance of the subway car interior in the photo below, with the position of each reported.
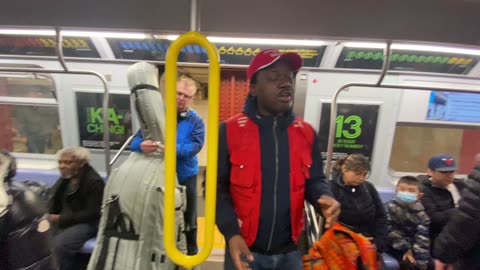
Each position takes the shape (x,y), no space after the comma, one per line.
(403,76)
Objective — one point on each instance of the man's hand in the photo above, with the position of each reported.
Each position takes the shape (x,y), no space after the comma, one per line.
(408,256)
(330,210)
(53,218)
(238,249)
(442,266)
(149,146)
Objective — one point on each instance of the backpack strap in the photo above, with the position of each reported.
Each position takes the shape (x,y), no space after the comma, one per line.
(116,227)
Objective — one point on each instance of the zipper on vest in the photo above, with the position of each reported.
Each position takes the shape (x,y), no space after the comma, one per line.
(275,139)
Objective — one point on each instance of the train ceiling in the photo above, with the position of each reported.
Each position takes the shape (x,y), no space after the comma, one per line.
(439,21)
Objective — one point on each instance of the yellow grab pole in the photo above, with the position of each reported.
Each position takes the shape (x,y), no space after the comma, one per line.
(170,148)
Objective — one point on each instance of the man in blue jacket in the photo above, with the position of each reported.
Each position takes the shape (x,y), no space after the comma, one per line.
(190,138)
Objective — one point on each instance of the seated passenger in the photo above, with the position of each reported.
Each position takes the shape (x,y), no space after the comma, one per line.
(441,193)
(25,235)
(361,206)
(75,204)
(408,237)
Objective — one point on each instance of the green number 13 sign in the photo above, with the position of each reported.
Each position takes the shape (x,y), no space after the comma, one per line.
(356,125)
(350,127)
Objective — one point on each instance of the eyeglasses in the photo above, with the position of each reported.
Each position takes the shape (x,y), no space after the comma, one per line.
(185,96)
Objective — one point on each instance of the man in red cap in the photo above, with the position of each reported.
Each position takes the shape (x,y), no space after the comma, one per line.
(269,162)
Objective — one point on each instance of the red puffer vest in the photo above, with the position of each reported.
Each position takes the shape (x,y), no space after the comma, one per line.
(245,176)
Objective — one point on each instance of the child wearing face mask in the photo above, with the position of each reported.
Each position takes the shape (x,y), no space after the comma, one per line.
(408,237)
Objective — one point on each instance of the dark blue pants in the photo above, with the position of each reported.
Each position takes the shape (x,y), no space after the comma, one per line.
(69,241)
(191,215)
(286,261)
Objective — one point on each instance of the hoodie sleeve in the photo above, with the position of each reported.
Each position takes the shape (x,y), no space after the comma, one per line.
(462,232)
(136,141)
(195,141)
(226,218)
(396,238)
(316,185)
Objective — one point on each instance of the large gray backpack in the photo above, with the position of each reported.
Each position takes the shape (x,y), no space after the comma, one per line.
(130,234)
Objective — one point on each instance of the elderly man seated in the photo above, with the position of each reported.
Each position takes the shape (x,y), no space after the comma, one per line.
(75,204)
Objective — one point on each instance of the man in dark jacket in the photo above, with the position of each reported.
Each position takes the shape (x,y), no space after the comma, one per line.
(268,162)
(460,239)
(438,200)
(75,203)
(26,241)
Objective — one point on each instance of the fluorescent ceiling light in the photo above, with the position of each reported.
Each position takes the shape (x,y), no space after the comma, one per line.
(428,48)
(367,45)
(45,32)
(105,34)
(265,41)
(28,32)
(169,37)
(413,47)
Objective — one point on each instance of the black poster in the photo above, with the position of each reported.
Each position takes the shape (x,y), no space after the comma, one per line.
(354,132)
(90,119)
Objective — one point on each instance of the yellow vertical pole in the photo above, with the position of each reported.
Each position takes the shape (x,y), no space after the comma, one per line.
(170,148)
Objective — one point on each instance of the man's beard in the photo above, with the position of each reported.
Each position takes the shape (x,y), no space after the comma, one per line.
(70,174)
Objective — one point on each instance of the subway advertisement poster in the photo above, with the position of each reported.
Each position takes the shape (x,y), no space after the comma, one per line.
(354,132)
(90,119)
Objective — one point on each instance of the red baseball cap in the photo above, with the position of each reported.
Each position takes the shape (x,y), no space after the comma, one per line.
(267,57)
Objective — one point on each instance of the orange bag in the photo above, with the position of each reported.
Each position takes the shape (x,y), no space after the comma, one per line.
(339,248)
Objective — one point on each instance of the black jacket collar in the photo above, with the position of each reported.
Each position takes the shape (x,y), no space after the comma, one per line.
(251,110)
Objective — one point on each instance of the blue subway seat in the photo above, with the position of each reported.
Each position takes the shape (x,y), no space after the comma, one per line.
(386,194)
(89,246)
(389,263)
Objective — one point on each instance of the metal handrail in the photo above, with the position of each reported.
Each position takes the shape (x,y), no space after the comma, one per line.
(120,151)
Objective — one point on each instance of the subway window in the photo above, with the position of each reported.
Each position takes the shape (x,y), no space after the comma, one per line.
(29,118)
(413,146)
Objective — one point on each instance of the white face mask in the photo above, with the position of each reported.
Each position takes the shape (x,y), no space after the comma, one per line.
(407,197)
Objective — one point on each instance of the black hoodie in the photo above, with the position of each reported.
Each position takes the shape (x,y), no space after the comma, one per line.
(274,234)
(460,239)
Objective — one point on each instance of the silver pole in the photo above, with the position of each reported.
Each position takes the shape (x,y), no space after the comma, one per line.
(59,48)
(386,63)
(194,15)
(127,142)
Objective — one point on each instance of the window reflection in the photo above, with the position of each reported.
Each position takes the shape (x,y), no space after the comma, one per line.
(414,145)
(28,125)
